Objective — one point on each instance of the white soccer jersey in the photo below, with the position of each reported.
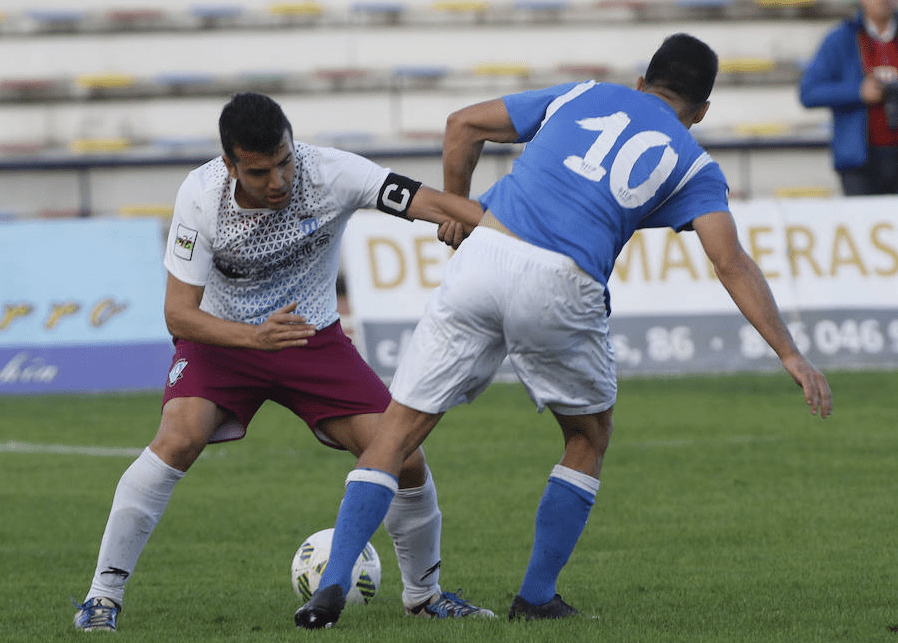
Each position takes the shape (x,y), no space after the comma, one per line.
(253,262)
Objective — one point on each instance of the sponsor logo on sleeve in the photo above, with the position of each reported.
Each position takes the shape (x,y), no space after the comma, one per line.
(185,241)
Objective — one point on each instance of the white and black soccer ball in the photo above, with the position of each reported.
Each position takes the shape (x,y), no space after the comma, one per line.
(311,559)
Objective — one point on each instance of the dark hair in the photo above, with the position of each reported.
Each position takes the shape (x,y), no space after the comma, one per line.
(252,122)
(684,65)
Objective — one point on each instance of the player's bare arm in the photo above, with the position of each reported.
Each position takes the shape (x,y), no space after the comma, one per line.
(282,329)
(456,216)
(745,283)
(466,131)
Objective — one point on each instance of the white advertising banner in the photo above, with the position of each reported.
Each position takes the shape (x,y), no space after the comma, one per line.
(832,265)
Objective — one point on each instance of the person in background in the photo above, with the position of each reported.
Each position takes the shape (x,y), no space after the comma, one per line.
(530,283)
(855,74)
(251,304)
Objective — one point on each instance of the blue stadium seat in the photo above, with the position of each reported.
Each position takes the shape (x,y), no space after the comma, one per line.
(421,71)
(215,11)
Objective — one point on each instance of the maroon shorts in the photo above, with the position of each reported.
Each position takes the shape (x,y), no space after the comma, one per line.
(324,379)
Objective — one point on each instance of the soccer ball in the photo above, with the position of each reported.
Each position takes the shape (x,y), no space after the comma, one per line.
(311,559)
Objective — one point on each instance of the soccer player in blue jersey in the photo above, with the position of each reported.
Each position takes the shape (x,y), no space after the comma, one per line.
(530,282)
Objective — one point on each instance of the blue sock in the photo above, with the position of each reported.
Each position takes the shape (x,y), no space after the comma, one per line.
(368,496)
(560,520)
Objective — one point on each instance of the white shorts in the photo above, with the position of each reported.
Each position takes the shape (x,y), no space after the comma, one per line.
(503,296)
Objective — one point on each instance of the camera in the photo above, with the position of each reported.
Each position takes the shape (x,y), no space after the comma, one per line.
(890,103)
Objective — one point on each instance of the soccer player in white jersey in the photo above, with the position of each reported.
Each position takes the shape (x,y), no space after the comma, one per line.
(531,283)
(251,304)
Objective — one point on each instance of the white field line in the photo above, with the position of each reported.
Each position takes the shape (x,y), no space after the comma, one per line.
(133,452)
(68,449)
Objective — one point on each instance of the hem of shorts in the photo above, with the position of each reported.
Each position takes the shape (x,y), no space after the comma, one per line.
(562,409)
(424,408)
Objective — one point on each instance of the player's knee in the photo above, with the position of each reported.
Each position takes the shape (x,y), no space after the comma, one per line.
(180,439)
(413,472)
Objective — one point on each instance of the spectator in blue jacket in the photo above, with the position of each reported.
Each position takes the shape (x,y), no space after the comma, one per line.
(855,74)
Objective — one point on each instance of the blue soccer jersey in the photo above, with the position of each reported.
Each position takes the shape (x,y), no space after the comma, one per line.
(601,161)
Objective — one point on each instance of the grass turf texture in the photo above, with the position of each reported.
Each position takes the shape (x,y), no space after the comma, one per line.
(727,513)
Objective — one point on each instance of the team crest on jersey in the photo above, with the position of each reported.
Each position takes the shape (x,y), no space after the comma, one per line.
(176,370)
(185,241)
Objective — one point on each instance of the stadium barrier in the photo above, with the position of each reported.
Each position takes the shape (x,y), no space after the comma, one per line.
(832,265)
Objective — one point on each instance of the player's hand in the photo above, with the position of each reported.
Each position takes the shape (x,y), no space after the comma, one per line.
(283,329)
(871,90)
(452,233)
(816,389)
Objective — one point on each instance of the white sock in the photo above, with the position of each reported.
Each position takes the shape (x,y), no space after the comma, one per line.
(140,499)
(414,522)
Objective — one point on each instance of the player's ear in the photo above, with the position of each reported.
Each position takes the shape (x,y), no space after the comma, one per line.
(700,114)
(232,169)
(640,83)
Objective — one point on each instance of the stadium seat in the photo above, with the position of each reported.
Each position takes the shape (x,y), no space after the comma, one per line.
(379,13)
(296,8)
(540,5)
(804,192)
(105,81)
(633,7)
(420,71)
(703,9)
(262,81)
(746,65)
(503,69)
(419,76)
(583,71)
(185,83)
(99,145)
(57,20)
(22,148)
(460,6)
(157,210)
(60,213)
(761,130)
(138,18)
(216,15)
(339,79)
(27,89)
(785,3)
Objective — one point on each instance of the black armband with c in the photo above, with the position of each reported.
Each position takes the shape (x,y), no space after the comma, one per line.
(396,194)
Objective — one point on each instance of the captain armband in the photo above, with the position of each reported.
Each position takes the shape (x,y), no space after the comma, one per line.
(396,194)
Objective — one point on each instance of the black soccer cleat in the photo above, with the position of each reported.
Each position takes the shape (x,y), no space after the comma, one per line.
(556,608)
(322,610)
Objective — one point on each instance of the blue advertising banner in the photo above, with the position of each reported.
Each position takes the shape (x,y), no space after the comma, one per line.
(82,306)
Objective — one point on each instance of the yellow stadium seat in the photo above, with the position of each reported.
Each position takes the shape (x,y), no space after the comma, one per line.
(296,8)
(103,81)
(461,6)
(762,130)
(804,192)
(503,69)
(785,3)
(95,145)
(746,65)
(161,210)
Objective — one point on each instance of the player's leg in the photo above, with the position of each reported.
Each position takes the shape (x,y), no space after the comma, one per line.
(562,514)
(414,522)
(452,356)
(370,489)
(140,499)
(562,355)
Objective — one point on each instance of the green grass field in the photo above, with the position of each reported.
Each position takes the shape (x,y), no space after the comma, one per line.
(727,513)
